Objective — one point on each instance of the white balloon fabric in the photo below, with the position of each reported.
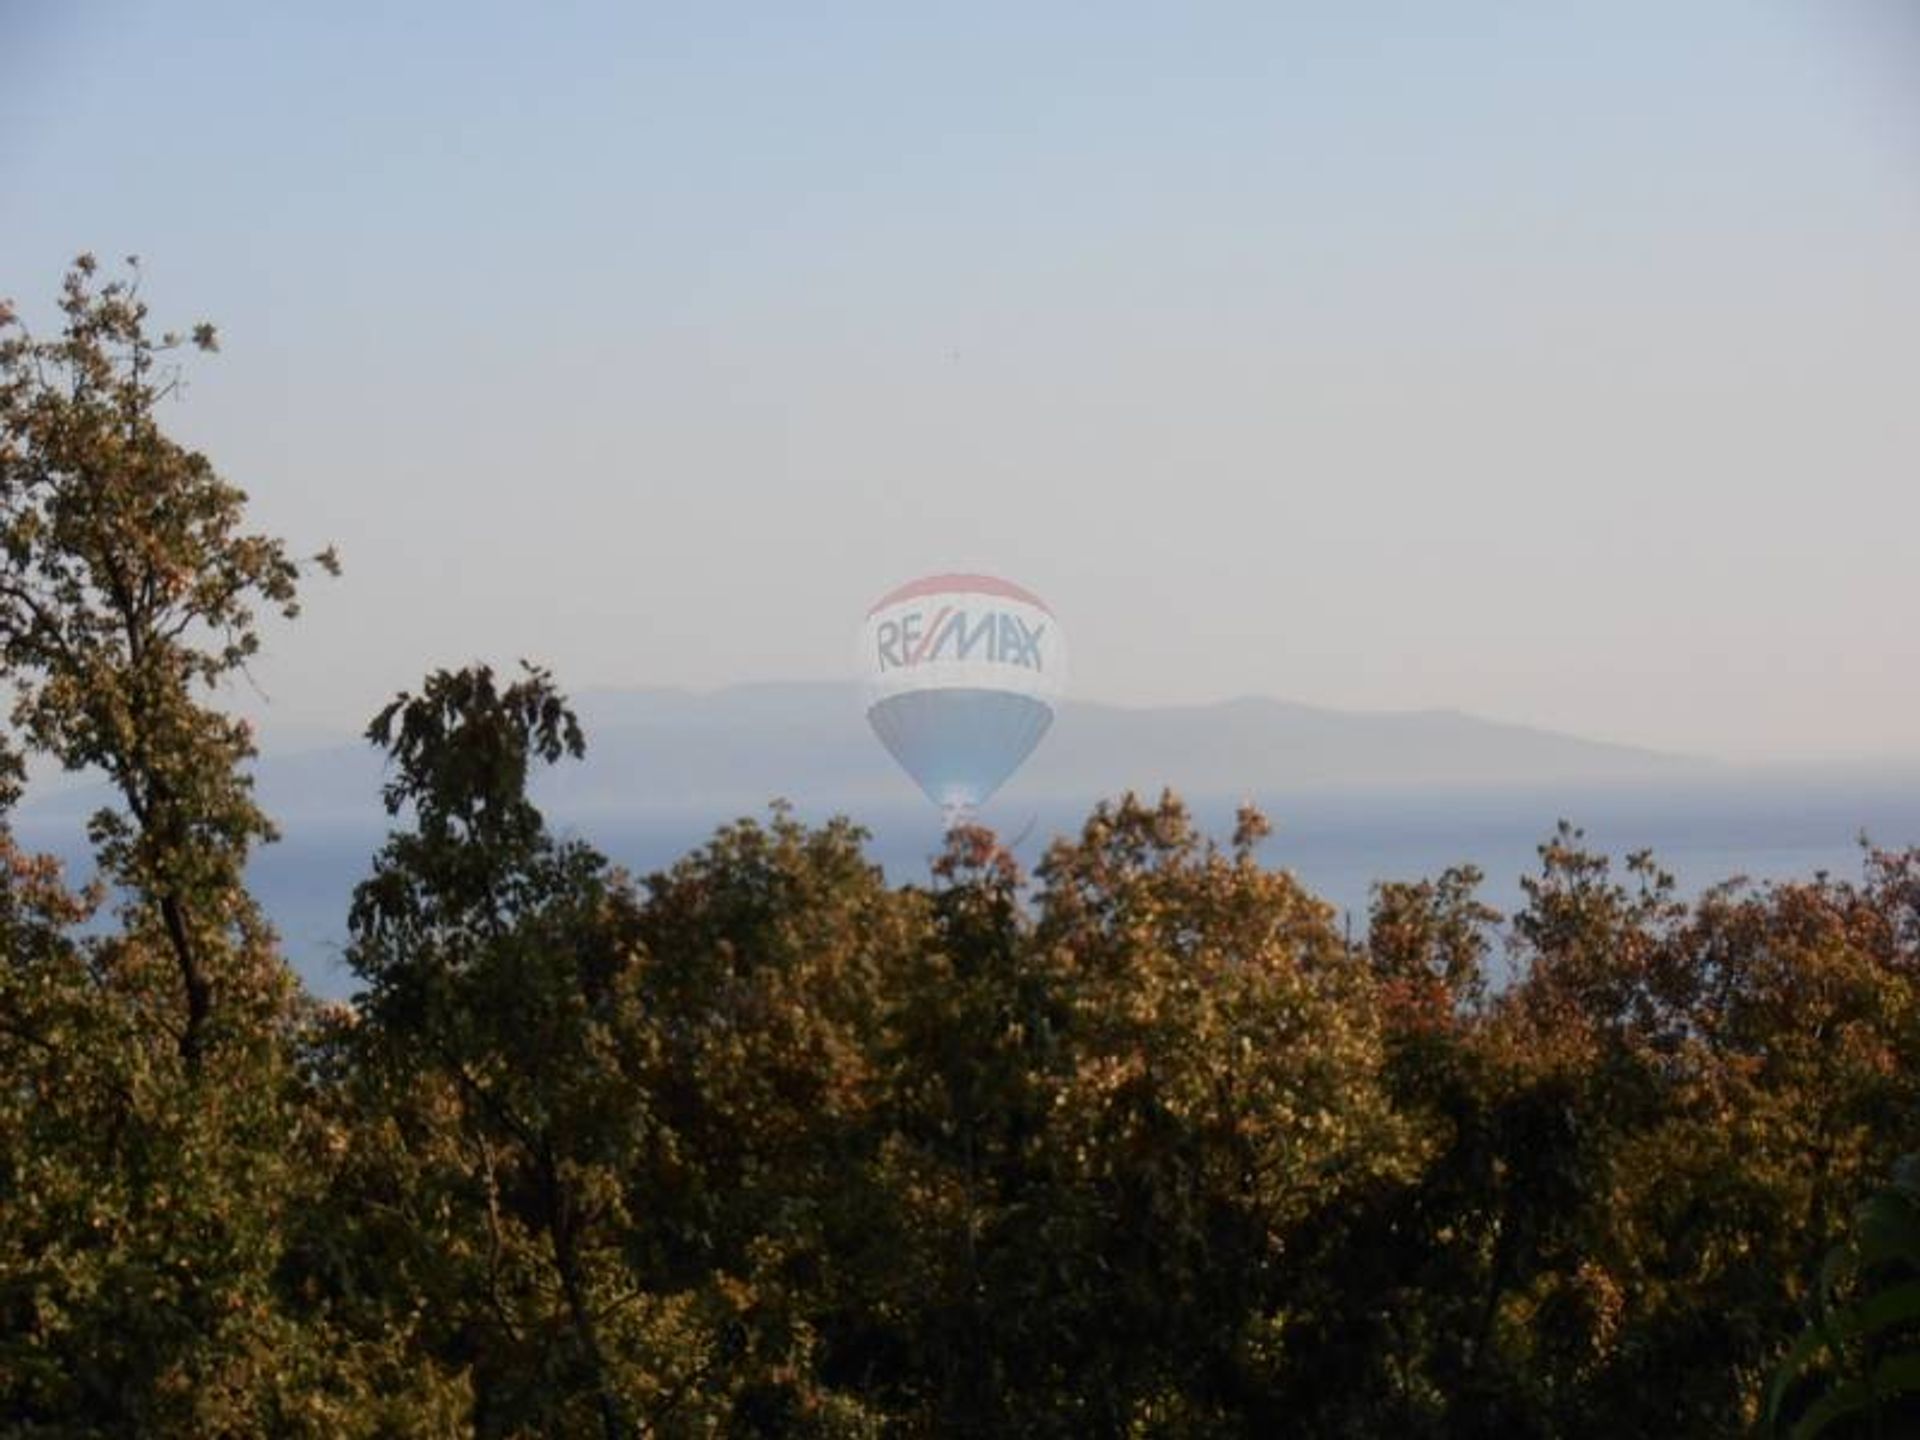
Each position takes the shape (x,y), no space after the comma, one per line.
(962,673)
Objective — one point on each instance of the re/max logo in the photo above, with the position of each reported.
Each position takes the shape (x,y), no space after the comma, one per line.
(954,635)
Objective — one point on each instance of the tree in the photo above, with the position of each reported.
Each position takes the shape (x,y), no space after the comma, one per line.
(770,955)
(598,1133)
(953,1327)
(496,972)
(129,590)
(1861,1352)
(155,1130)
(1220,1057)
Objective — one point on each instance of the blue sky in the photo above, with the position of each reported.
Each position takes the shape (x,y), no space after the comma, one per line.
(1555,366)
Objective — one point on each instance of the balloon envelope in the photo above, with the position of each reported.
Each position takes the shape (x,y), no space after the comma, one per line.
(962,672)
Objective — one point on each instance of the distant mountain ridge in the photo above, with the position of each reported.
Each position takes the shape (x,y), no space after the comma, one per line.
(809,742)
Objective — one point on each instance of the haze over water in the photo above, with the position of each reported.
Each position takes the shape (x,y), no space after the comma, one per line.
(1338,842)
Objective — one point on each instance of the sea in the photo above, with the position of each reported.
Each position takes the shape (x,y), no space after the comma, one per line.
(1765,826)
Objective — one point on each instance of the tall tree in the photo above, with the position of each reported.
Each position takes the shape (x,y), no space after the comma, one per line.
(129,593)
(499,982)
(154,1136)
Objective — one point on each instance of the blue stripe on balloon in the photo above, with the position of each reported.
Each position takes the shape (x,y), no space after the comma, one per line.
(960,745)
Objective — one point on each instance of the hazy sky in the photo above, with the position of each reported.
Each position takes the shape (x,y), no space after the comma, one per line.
(1564,368)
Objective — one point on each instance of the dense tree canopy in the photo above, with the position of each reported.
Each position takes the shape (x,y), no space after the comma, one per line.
(770,1143)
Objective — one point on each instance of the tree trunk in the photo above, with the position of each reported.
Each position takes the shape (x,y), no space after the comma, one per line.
(193,1038)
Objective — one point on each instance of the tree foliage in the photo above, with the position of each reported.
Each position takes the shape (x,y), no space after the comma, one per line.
(128,590)
(1857,1366)
(156,1124)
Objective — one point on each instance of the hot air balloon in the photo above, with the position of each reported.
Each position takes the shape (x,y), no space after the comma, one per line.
(962,673)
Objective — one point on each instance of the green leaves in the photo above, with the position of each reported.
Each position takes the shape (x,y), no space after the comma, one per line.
(1860,1356)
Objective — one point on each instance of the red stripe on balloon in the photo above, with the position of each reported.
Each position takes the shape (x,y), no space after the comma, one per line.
(964,584)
